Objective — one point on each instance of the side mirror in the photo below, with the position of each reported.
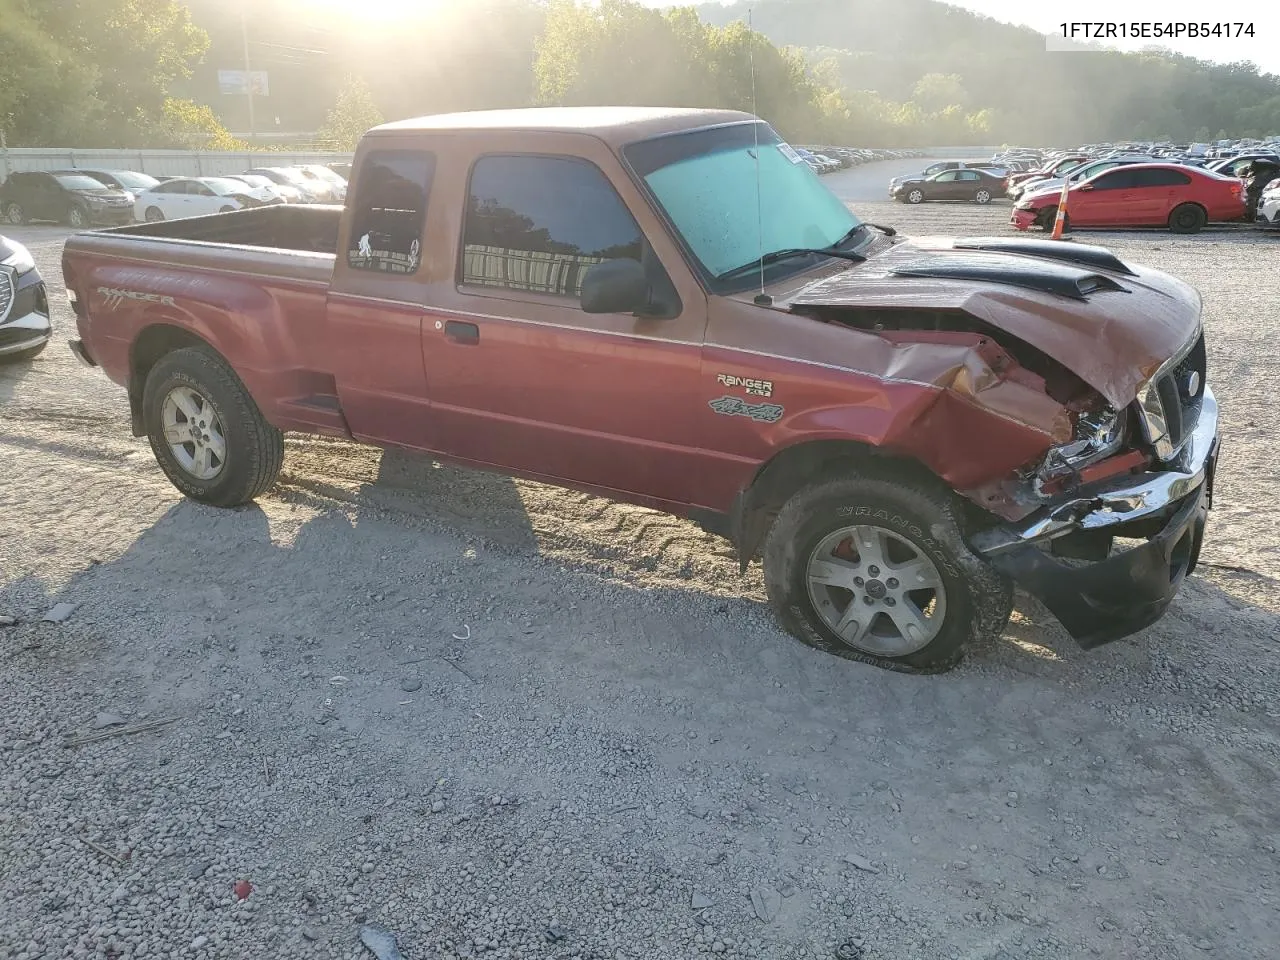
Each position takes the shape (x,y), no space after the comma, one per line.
(615,286)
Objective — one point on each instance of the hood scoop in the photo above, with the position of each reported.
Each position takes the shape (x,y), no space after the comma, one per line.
(1085,255)
(988,267)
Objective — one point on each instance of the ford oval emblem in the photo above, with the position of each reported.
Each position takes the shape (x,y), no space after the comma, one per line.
(1193,383)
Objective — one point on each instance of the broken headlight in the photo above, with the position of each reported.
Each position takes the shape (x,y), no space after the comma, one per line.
(1099,434)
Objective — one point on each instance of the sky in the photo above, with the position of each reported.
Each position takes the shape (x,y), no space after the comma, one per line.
(1263,48)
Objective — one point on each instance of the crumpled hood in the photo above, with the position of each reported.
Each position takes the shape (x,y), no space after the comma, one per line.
(1111,323)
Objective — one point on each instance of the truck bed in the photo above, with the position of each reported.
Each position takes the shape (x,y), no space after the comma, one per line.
(252,284)
(313,229)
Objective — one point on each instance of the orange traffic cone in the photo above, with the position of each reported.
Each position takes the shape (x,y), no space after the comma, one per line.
(1060,219)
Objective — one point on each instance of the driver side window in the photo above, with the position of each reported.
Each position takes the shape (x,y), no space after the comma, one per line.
(947,177)
(536,224)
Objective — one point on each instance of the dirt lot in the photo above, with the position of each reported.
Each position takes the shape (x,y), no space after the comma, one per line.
(505,720)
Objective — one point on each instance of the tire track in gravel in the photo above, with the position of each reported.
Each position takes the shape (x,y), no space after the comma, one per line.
(636,545)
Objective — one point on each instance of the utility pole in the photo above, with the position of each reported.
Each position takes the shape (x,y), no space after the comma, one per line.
(248,77)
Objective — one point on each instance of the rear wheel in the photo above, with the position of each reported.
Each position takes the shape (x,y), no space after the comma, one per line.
(153,215)
(1187,218)
(15,214)
(206,432)
(875,569)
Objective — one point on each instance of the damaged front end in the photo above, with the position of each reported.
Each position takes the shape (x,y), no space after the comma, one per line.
(1106,552)
(1105,518)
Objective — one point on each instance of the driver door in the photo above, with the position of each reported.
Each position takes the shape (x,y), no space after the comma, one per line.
(945,186)
(521,377)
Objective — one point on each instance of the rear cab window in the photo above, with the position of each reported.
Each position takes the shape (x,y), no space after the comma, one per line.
(389,211)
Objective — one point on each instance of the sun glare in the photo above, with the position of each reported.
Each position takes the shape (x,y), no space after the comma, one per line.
(381,10)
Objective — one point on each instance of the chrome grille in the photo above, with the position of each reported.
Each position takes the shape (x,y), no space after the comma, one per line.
(1170,406)
(6,293)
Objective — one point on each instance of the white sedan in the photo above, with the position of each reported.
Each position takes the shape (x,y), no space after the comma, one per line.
(197,196)
(1269,204)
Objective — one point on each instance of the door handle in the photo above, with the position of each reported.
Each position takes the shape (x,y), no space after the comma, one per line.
(460,332)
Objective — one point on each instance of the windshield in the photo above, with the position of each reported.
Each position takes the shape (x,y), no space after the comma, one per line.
(132,181)
(222,186)
(79,182)
(324,173)
(706,183)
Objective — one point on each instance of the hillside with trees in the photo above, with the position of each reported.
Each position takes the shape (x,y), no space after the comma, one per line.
(910,56)
(869,72)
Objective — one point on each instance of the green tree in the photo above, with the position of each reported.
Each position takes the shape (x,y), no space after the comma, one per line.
(188,125)
(353,113)
(138,49)
(39,80)
(937,91)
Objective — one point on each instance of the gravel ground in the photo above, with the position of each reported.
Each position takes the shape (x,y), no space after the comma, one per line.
(504,720)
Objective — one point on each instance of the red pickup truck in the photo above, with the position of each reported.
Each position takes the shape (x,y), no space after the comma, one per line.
(668,307)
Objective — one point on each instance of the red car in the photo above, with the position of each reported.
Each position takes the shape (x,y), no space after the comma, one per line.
(1180,197)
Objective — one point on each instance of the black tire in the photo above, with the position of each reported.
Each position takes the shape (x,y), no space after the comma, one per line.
(924,514)
(153,215)
(77,218)
(1187,218)
(1049,215)
(254,448)
(22,355)
(14,213)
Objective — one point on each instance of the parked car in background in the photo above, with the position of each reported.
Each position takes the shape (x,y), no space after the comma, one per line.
(71,198)
(24,304)
(285,191)
(1077,174)
(976,186)
(943,165)
(335,180)
(1056,168)
(312,190)
(1140,195)
(198,196)
(1269,205)
(129,181)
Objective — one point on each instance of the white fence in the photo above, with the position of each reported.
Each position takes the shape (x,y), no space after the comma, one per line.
(160,163)
(192,163)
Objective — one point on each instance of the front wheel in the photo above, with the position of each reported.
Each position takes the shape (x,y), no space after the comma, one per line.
(206,432)
(153,215)
(76,218)
(875,569)
(15,214)
(915,196)
(982,196)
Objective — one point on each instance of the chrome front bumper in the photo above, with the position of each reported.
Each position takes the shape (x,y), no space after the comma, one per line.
(1119,501)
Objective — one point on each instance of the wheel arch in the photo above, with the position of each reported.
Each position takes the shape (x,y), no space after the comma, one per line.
(794,467)
(155,341)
